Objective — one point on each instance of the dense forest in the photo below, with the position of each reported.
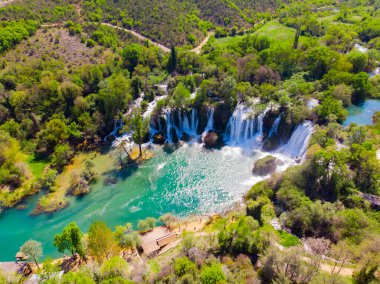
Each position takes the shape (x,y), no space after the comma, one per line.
(71,72)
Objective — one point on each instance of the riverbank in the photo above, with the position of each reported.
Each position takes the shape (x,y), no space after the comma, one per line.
(201,228)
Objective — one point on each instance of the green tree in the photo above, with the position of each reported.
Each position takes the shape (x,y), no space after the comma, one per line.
(181,96)
(70,239)
(113,268)
(183,266)
(81,276)
(361,86)
(366,274)
(329,174)
(10,158)
(102,244)
(147,224)
(212,274)
(228,91)
(172,61)
(331,106)
(114,96)
(255,208)
(49,273)
(132,56)
(344,93)
(55,132)
(126,237)
(139,128)
(239,237)
(359,61)
(33,250)
(366,166)
(320,61)
(62,155)
(70,91)
(86,125)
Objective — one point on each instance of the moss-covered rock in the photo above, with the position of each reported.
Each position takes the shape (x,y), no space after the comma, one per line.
(265,166)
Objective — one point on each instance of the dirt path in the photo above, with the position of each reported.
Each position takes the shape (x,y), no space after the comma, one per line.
(5,3)
(139,36)
(345,271)
(198,49)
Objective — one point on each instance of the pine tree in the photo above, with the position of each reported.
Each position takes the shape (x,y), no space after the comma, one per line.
(172,62)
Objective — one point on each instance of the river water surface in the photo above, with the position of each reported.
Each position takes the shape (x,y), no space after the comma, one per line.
(183,181)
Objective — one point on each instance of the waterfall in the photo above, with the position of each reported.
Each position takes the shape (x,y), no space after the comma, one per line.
(275,125)
(299,141)
(210,120)
(245,129)
(193,95)
(186,124)
(178,121)
(260,126)
(241,127)
(170,125)
(360,48)
(190,126)
(194,121)
(118,124)
(151,106)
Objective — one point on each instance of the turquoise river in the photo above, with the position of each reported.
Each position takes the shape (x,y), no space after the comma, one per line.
(184,181)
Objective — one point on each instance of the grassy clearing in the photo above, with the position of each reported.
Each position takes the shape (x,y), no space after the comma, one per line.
(279,33)
(57,200)
(10,198)
(274,30)
(324,277)
(284,238)
(225,42)
(287,240)
(36,166)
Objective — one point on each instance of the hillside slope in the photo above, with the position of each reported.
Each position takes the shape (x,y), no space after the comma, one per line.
(176,22)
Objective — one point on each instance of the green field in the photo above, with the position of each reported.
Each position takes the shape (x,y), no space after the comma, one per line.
(287,240)
(36,166)
(273,30)
(279,32)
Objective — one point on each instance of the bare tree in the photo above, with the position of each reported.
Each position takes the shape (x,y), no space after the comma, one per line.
(341,253)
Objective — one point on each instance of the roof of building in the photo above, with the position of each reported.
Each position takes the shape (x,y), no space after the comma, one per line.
(163,241)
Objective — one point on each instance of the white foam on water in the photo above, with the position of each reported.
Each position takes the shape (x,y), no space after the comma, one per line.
(160,166)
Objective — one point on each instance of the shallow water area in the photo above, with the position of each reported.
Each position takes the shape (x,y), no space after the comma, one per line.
(182,180)
(362,114)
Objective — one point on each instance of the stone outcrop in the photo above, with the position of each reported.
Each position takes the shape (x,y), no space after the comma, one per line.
(265,166)
(158,138)
(211,140)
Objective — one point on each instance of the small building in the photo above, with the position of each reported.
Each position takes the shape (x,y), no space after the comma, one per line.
(163,241)
(152,242)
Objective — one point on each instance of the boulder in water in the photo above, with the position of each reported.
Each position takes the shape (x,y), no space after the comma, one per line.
(211,139)
(158,139)
(185,137)
(272,143)
(265,166)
